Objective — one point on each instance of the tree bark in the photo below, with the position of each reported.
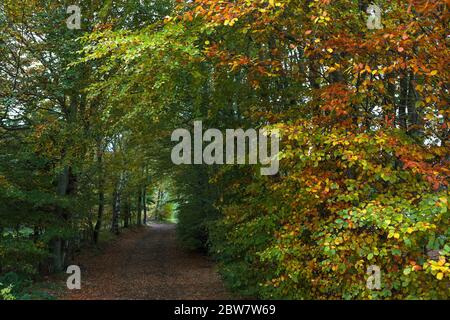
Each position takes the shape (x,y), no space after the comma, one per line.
(101,195)
(144,204)
(403,103)
(56,243)
(139,208)
(126,218)
(116,208)
(415,128)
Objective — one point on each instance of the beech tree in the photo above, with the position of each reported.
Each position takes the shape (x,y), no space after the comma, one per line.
(86,119)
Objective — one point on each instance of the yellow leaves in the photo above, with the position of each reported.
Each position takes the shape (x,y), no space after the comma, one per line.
(433,73)
(393,234)
(439,269)
(369,71)
(231,22)
(410,230)
(330,50)
(443,204)
(443,200)
(323,18)
(272,3)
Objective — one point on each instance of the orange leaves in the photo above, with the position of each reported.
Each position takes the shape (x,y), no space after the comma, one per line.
(188,16)
(434,170)
(223,12)
(336,98)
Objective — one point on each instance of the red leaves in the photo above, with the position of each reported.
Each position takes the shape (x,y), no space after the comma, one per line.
(434,170)
(336,98)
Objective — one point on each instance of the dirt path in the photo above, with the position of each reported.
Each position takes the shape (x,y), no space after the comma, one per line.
(147,263)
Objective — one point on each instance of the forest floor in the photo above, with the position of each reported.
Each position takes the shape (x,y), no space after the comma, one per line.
(147,263)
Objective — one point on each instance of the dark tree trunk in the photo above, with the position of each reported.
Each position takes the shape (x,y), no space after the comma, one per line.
(57,243)
(98,223)
(403,103)
(101,195)
(415,128)
(139,208)
(157,206)
(144,204)
(116,210)
(126,218)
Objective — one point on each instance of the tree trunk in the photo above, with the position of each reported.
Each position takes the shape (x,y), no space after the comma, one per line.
(56,243)
(101,208)
(139,208)
(158,203)
(101,195)
(116,209)
(126,220)
(403,103)
(144,204)
(415,128)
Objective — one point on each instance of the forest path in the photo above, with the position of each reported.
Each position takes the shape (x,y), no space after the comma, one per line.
(147,263)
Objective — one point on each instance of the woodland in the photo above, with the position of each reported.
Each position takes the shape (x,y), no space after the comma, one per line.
(87,115)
